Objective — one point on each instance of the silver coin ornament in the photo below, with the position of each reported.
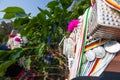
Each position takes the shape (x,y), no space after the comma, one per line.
(99,52)
(112,46)
(90,55)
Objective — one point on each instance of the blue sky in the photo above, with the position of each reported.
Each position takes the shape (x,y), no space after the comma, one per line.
(30,6)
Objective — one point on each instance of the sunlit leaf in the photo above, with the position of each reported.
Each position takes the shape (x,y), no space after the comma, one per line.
(13,10)
(41,49)
(9,15)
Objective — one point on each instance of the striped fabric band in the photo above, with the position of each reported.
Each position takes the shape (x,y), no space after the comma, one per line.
(113,3)
(76,68)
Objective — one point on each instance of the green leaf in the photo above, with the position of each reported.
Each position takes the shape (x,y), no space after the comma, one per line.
(20,21)
(4,66)
(2,52)
(28,63)
(41,49)
(57,12)
(9,15)
(17,22)
(4,55)
(41,10)
(52,4)
(66,3)
(13,10)
(45,12)
(16,54)
(28,28)
(42,17)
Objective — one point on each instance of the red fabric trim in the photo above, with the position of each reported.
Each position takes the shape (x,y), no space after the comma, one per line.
(20,74)
(94,66)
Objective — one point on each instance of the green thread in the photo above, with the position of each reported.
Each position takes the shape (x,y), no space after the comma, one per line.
(85,37)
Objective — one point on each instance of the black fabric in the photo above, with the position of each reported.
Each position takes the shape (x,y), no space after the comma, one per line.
(13,70)
(110,76)
(104,76)
(86,78)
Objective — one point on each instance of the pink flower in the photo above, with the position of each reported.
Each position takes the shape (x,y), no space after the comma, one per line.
(72,24)
(17,39)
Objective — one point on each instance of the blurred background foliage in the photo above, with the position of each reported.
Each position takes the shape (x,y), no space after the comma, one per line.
(44,32)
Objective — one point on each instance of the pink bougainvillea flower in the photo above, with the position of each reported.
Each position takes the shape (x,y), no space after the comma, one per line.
(72,24)
(17,39)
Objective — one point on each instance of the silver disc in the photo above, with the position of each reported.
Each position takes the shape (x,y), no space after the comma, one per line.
(112,46)
(99,52)
(90,55)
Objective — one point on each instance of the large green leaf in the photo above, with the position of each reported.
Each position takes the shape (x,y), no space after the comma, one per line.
(4,66)
(12,54)
(13,10)
(9,15)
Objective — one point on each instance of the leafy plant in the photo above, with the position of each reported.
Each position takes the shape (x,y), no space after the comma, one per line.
(44,31)
(12,12)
